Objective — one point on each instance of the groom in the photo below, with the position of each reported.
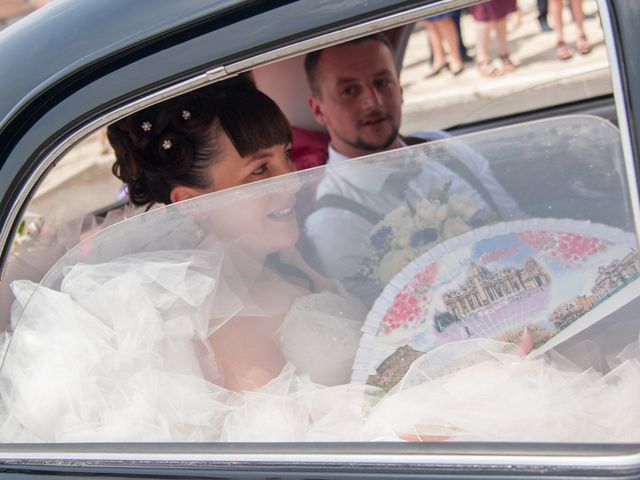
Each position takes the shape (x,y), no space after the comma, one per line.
(356,96)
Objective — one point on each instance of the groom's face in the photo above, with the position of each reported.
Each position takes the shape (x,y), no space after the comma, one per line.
(358,97)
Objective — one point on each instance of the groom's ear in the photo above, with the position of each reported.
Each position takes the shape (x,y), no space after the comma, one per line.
(316,109)
(181,192)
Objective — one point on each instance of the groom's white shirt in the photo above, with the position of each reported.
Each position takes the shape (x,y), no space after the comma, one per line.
(338,235)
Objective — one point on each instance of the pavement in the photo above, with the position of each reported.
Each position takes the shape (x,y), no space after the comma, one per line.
(438,102)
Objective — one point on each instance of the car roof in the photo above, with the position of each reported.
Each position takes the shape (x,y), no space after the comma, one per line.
(70,28)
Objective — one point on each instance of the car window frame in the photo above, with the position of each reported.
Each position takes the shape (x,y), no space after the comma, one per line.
(497,459)
(622,99)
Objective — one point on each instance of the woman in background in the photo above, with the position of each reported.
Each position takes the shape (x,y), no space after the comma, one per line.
(441,29)
(492,16)
(582,44)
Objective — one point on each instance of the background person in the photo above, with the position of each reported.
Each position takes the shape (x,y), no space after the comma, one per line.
(464,54)
(441,29)
(563,52)
(491,16)
(543,10)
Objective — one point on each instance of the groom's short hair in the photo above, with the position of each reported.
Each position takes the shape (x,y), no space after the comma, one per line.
(312,58)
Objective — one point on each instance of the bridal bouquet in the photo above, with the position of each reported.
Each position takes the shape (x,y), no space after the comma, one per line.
(410,230)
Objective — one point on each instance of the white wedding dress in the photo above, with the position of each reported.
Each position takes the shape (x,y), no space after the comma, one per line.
(119,353)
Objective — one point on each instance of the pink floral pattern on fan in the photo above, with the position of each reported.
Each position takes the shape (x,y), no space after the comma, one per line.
(568,248)
(408,306)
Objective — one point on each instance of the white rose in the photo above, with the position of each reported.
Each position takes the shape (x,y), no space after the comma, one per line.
(427,215)
(402,238)
(397,217)
(422,204)
(392,263)
(462,206)
(454,227)
(443,213)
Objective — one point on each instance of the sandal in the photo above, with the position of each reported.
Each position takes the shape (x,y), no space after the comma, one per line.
(582,45)
(563,52)
(436,71)
(486,69)
(507,64)
(456,71)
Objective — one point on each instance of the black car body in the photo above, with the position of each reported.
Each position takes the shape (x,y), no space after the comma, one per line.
(75,66)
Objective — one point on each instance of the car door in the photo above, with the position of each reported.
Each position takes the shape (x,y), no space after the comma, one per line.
(145,54)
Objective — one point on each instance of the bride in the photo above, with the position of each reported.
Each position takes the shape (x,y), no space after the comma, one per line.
(200,321)
(193,302)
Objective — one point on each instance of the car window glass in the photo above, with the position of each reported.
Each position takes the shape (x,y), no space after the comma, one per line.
(76,197)
(83,173)
(306,317)
(438,102)
(294,320)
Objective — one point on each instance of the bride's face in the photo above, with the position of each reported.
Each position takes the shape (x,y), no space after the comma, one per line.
(262,220)
(261,223)
(232,170)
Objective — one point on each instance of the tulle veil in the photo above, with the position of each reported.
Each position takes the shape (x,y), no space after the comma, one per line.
(113,343)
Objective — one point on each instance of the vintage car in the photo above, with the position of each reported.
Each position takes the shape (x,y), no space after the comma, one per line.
(105,308)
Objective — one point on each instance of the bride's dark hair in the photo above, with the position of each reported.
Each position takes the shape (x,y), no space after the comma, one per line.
(176,142)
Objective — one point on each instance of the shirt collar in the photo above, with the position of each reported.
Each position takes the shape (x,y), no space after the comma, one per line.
(370,180)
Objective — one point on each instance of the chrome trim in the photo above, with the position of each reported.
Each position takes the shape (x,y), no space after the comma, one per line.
(598,462)
(621,102)
(328,39)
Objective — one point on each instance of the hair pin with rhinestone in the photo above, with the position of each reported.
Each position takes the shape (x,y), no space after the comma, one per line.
(167,144)
(186,114)
(146,126)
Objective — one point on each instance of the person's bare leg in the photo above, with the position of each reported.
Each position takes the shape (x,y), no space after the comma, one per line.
(517,17)
(483,52)
(555,9)
(501,37)
(578,15)
(435,40)
(483,29)
(502,45)
(447,30)
(582,44)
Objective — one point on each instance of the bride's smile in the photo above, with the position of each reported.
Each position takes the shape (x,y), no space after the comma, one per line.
(284,214)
